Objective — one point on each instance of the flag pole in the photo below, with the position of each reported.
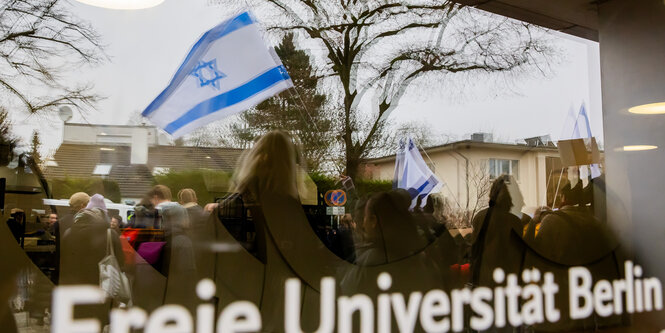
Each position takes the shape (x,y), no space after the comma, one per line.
(557,188)
(547,185)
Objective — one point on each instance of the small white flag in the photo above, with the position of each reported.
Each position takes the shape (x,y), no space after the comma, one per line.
(579,127)
(229,70)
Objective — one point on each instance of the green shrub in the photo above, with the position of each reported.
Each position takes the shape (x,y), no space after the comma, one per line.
(208,184)
(364,187)
(65,187)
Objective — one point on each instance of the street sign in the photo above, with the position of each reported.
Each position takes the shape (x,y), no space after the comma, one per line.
(335,198)
(335,211)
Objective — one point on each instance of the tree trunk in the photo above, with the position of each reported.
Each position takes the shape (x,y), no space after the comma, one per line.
(353,166)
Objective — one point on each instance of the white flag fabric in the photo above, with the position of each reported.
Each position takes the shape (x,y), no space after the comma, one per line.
(412,173)
(580,128)
(228,70)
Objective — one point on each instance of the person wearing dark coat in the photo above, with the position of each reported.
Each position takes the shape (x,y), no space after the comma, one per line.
(16,224)
(83,246)
(201,232)
(568,237)
(497,233)
(178,265)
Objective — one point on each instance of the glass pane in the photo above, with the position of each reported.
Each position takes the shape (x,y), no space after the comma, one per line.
(515,168)
(313,176)
(504,167)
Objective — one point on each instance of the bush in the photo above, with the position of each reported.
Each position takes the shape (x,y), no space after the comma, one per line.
(363,188)
(208,184)
(65,187)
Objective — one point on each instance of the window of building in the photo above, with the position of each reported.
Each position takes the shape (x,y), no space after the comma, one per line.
(102,170)
(498,167)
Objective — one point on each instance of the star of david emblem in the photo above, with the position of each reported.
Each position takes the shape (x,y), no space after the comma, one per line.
(207,73)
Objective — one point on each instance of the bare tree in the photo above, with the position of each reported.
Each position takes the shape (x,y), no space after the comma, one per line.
(478,187)
(378,48)
(477,182)
(39,41)
(8,141)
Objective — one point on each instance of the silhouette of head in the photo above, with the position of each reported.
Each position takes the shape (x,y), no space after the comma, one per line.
(572,195)
(270,166)
(97,201)
(78,201)
(158,194)
(187,195)
(499,195)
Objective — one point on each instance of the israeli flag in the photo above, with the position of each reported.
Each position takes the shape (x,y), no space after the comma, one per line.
(580,128)
(412,173)
(229,70)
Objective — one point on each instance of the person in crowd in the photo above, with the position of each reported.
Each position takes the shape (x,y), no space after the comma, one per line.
(53,232)
(201,232)
(497,232)
(77,202)
(265,179)
(430,226)
(572,216)
(53,225)
(188,200)
(145,215)
(568,237)
(116,223)
(16,224)
(268,168)
(390,229)
(532,228)
(178,263)
(83,246)
(345,238)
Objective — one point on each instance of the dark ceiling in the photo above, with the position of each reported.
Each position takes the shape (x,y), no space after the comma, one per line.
(575,17)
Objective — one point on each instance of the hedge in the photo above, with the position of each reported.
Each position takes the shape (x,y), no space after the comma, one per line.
(65,187)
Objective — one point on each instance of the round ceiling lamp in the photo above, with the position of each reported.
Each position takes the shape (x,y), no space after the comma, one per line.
(122,4)
(654,108)
(637,148)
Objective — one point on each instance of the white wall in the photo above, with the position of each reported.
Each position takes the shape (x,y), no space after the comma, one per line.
(632,55)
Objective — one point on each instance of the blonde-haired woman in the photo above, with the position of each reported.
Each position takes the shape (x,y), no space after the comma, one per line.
(266,177)
(270,166)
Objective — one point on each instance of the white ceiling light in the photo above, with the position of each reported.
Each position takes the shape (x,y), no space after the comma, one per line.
(122,4)
(637,148)
(655,108)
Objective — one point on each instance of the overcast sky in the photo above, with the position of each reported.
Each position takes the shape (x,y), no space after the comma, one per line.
(147,46)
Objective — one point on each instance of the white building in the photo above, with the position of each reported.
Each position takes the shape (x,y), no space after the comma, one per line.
(468,167)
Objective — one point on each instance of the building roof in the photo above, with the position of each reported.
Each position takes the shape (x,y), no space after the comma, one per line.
(134,180)
(471,144)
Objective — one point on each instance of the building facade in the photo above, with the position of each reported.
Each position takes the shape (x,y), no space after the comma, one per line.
(131,156)
(468,167)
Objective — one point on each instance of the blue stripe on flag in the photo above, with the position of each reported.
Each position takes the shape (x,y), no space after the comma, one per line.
(196,52)
(231,97)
